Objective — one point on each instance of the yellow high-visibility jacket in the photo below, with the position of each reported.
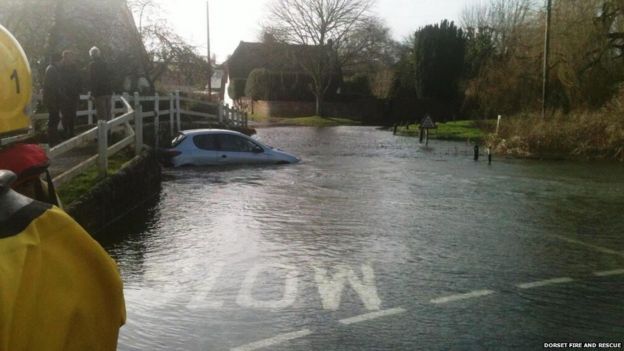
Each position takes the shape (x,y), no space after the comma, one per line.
(59,289)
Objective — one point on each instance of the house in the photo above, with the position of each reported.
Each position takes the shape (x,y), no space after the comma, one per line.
(289,81)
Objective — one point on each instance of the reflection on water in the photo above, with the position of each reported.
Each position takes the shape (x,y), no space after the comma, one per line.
(230,256)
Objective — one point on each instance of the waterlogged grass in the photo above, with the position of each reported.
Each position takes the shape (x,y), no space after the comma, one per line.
(456,130)
(308,121)
(318,121)
(81,184)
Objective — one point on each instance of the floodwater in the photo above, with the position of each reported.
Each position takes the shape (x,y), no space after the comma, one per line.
(375,243)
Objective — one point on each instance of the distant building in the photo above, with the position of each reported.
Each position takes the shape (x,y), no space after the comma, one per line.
(271,55)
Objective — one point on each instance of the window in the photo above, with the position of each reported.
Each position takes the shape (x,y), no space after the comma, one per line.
(178,139)
(206,142)
(235,143)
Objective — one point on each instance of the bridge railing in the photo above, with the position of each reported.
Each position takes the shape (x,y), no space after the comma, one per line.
(130,117)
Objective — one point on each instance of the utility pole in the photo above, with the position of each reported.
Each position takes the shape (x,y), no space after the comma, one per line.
(546,54)
(208,42)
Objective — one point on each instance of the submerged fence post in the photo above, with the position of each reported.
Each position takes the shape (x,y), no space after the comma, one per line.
(156,120)
(102,132)
(171,111)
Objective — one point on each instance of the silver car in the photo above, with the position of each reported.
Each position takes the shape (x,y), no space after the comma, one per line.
(209,147)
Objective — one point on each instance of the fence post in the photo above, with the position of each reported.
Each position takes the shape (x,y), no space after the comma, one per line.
(178,110)
(156,120)
(171,112)
(102,147)
(220,113)
(138,126)
(113,106)
(89,109)
(137,101)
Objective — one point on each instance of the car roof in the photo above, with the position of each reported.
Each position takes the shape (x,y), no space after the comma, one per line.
(192,132)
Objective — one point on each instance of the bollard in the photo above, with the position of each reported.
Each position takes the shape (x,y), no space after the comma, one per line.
(489,153)
(476,152)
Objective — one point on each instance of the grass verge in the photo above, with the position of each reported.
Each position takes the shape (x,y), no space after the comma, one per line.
(455,130)
(81,184)
(580,135)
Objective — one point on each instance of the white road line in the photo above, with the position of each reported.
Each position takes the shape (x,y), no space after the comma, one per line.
(278,339)
(457,297)
(607,273)
(591,246)
(545,282)
(372,315)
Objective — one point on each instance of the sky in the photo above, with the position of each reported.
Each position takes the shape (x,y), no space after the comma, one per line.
(232,21)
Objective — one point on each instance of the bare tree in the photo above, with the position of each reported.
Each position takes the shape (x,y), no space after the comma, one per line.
(324,24)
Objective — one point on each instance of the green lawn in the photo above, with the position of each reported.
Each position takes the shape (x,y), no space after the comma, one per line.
(81,184)
(456,130)
(309,121)
(318,121)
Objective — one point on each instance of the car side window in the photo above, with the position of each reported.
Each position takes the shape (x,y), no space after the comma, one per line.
(206,142)
(228,142)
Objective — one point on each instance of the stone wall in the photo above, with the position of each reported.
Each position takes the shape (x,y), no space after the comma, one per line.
(117,195)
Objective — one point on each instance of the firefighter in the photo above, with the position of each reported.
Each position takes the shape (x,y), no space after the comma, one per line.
(59,289)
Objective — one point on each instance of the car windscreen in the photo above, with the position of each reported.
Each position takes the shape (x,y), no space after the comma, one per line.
(178,139)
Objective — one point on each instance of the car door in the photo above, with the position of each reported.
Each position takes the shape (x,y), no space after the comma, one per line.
(235,149)
(205,153)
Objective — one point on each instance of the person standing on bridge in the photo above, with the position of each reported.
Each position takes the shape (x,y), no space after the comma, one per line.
(60,290)
(52,97)
(100,85)
(71,85)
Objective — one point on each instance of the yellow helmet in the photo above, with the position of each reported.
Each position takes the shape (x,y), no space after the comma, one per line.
(15,85)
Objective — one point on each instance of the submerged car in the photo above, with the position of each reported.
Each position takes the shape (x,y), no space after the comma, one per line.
(210,147)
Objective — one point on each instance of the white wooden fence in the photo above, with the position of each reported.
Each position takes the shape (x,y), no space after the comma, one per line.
(129,117)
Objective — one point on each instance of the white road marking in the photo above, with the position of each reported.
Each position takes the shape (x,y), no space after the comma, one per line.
(372,315)
(591,246)
(278,339)
(545,282)
(457,297)
(607,273)
(330,288)
(245,296)
(199,300)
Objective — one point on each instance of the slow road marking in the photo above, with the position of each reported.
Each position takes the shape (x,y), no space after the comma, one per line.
(278,339)
(608,273)
(372,315)
(457,297)
(591,246)
(545,282)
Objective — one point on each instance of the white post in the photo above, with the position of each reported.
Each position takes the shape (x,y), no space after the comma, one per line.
(156,119)
(127,98)
(102,147)
(171,112)
(113,103)
(137,101)
(89,109)
(178,110)
(138,126)
(498,123)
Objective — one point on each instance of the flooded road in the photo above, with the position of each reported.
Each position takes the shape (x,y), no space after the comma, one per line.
(374,243)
